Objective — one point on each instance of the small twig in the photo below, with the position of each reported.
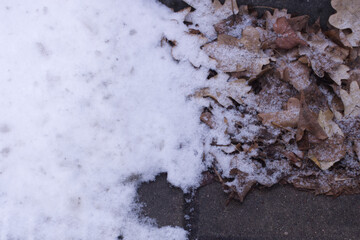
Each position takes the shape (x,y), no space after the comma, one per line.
(218,175)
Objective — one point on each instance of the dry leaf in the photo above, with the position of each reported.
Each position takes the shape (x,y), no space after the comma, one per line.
(347,16)
(329,126)
(230,45)
(298,23)
(287,118)
(297,74)
(338,37)
(208,13)
(326,153)
(197,57)
(234,24)
(340,73)
(271,18)
(288,38)
(351,100)
(308,121)
(206,117)
(326,56)
(222,91)
(238,55)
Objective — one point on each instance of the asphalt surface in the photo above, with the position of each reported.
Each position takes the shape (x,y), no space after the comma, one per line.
(280,212)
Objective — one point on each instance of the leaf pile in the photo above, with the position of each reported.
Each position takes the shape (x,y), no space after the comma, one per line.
(282,102)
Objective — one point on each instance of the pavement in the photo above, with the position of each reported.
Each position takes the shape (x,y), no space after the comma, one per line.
(280,212)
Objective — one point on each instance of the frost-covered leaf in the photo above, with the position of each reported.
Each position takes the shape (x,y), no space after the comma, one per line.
(326,56)
(223,91)
(340,73)
(351,100)
(287,118)
(238,55)
(188,48)
(347,16)
(297,74)
(208,13)
(328,152)
(234,24)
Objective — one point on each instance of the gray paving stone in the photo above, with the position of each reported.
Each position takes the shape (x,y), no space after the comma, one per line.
(277,213)
(162,202)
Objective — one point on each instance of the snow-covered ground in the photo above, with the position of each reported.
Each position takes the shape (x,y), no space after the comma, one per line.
(91,105)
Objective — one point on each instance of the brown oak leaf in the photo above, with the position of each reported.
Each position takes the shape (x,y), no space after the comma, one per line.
(287,38)
(328,152)
(308,121)
(326,56)
(287,118)
(238,55)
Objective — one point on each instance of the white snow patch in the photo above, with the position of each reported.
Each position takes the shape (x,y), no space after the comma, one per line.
(89,99)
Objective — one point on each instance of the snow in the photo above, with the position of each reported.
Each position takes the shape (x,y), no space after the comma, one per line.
(92,105)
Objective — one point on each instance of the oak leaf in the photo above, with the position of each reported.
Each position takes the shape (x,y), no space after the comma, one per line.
(239,55)
(197,57)
(208,13)
(329,126)
(271,18)
(223,92)
(288,38)
(297,74)
(287,118)
(326,56)
(328,152)
(308,121)
(347,16)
